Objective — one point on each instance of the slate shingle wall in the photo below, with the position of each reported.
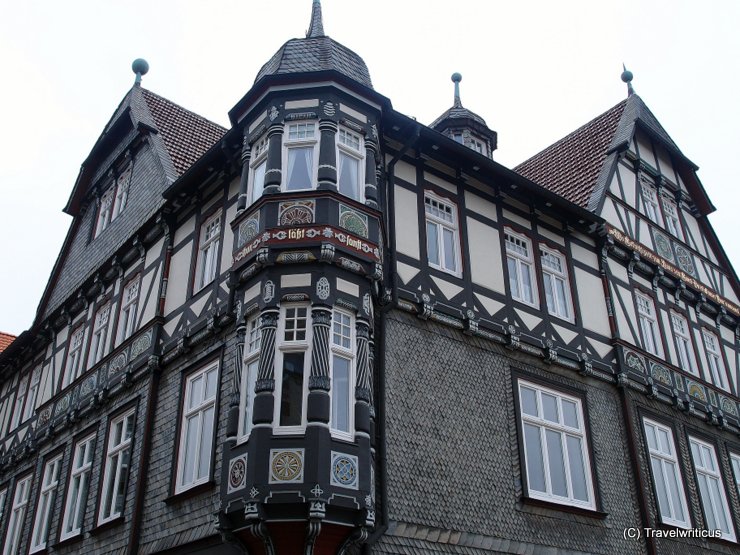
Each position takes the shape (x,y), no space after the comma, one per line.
(453,458)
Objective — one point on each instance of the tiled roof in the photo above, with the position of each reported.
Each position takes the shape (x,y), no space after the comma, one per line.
(186,135)
(458,112)
(316,54)
(571,167)
(5,340)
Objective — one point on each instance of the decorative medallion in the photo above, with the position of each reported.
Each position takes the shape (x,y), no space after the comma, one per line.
(254,492)
(343,470)
(249,229)
(712,398)
(295,257)
(661,374)
(286,466)
(295,297)
(366,307)
(237,473)
(697,391)
(44,416)
(323,289)
(374,131)
(117,363)
(297,212)
(729,406)
(635,361)
(274,113)
(663,245)
(268,291)
(685,260)
(62,405)
(426,298)
(317,491)
(351,265)
(238,311)
(141,344)
(329,109)
(88,386)
(353,221)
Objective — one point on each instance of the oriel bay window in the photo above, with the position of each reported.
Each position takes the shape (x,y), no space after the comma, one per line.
(684,346)
(711,488)
(648,319)
(555,448)
(716,371)
(442,234)
(49,483)
(117,463)
(666,474)
(349,164)
(520,263)
(17,516)
(342,374)
(196,428)
(293,362)
(210,239)
(74,355)
(300,142)
(555,280)
(77,488)
(650,202)
(99,336)
(129,308)
(249,376)
(672,222)
(257,165)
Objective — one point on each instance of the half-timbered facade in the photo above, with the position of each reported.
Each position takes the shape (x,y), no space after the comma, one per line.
(333,329)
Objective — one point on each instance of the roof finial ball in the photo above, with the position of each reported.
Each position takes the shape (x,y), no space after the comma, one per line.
(139,67)
(456,78)
(627,78)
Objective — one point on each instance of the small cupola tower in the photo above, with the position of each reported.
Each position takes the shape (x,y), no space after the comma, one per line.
(465,126)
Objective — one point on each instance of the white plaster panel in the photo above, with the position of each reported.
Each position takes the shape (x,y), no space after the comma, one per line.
(530,320)
(590,293)
(449,290)
(646,150)
(508,215)
(177,285)
(565,334)
(212,201)
(624,318)
(407,172)
(228,240)
(602,349)
(295,280)
(728,291)
(446,185)
(185,229)
(256,123)
(171,325)
(609,213)
(585,256)
(154,252)
(629,180)
(252,292)
(198,306)
(406,272)
(554,237)
(354,113)
(669,342)
(485,256)
(481,206)
(150,308)
(407,223)
(491,305)
(296,104)
(348,287)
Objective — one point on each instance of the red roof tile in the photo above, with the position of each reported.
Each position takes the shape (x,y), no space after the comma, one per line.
(571,166)
(186,135)
(5,340)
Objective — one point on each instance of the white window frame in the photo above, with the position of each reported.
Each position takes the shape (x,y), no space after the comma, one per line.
(121,198)
(671,213)
(716,371)
(520,260)
(129,309)
(564,430)
(346,140)
(300,142)
(116,472)
(664,462)
(258,157)
(250,368)
(343,322)
(565,311)
(478,146)
(684,344)
(77,488)
(287,346)
(105,210)
(21,496)
(73,368)
(20,402)
(712,500)
(647,317)
(195,412)
(441,213)
(98,342)
(458,138)
(33,390)
(208,264)
(45,504)
(650,203)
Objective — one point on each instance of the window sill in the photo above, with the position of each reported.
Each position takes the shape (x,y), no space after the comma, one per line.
(190,492)
(107,524)
(71,540)
(560,507)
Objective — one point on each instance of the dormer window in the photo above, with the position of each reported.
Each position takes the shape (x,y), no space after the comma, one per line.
(349,164)
(105,212)
(113,202)
(458,137)
(300,144)
(478,146)
(258,166)
(672,223)
(650,203)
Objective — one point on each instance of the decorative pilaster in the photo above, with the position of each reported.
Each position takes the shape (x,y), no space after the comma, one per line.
(241,203)
(371,178)
(362,391)
(232,422)
(328,156)
(321,322)
(273,173)
(266,371)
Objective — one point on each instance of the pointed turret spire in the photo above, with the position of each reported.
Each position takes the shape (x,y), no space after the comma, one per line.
(627,78)
(316,29)
(456,78)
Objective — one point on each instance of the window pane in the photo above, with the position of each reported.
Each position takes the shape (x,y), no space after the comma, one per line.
(528,401)
(577,470)
(549,298)
(562,305)
(534,459)
(349,176)
(291,400)
(433,243)
(550,408)
(300,168)
(191,439)
(513,278)
(674,486)
(204,461)
(570,414)
(258,182)
(556,463)
(716,496)
(663,503)
(526,283)
(340,394)
(449,249)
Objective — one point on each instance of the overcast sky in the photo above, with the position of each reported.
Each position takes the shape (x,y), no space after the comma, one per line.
(535,70)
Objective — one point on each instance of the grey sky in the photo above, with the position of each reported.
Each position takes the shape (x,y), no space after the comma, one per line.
(535,70)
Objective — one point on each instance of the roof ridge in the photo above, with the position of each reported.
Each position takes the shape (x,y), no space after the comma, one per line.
(179,106)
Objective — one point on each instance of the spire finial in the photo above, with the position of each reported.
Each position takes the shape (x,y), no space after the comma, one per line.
(139,67)
(456,78)
(316,29)
(627,78)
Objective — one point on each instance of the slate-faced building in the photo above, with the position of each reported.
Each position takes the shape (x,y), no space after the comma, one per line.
(333,329)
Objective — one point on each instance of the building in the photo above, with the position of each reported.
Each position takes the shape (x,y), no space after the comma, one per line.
(333,329)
